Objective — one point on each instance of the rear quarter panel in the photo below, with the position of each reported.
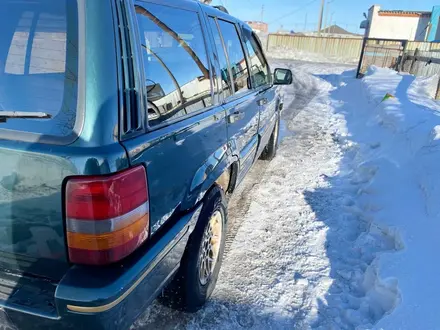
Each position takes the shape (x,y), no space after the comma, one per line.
(183,161)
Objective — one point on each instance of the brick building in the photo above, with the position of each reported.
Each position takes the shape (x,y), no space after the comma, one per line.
(259,27)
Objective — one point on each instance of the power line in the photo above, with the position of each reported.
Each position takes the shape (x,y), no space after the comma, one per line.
(293,12)
(327,12)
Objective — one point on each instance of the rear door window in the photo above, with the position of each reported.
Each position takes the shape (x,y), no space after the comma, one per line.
(259,69)
(39,64)
(223,61)
(237,59)
(176,66)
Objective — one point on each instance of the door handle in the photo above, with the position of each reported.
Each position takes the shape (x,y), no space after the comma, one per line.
(236,116)
(263,101)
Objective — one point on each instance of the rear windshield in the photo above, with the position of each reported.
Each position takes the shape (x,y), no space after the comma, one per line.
(39,64)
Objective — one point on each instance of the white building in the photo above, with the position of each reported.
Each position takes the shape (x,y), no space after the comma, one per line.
(397,24)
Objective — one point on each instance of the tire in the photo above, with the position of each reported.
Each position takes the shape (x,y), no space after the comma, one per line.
(190,290)
(270,151)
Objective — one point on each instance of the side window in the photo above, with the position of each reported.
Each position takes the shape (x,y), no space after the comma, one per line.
(237,59)
(226,78)
(175,61)
(259,68)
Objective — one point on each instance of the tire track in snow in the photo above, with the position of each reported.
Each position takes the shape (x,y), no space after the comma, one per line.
(299,95)
(241,201)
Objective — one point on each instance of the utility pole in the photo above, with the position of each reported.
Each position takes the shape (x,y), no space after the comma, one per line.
(328,23)
(321,13)
(262,13)
(327,9)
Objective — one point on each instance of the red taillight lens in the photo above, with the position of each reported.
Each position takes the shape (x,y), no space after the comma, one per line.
(107,217)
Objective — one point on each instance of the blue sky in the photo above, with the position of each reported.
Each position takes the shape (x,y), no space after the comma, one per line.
(345,13)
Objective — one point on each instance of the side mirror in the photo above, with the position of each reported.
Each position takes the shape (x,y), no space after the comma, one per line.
(283,77)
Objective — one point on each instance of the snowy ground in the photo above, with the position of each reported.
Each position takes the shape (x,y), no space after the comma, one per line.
(340,230)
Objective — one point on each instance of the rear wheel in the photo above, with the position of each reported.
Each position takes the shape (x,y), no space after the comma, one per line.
(200,266)
(270,151)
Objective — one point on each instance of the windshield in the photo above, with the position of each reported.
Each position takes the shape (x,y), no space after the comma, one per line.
(39,64)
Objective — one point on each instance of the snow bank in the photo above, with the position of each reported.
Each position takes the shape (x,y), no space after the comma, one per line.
(398,145)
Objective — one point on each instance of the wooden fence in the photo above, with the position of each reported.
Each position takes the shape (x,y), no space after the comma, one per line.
(344,48)
(422,63)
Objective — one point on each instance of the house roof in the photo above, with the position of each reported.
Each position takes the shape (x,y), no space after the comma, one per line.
(335,29)
(406,13)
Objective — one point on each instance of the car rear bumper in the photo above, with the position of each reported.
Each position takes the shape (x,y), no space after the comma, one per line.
(111,297)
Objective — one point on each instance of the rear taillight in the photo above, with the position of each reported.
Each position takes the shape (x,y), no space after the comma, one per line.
(107,218)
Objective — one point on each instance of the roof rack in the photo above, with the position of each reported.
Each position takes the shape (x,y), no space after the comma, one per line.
(222,8)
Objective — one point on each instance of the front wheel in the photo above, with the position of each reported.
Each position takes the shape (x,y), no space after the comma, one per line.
(200,266)
(270,151)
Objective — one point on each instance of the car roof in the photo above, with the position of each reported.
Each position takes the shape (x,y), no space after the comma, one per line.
(212,11)
(209,10)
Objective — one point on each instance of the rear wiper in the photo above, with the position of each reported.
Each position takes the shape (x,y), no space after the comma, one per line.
(5,115)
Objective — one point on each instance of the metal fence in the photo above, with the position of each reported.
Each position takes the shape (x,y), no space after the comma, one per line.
(383,53)
(347,48)
(417,58)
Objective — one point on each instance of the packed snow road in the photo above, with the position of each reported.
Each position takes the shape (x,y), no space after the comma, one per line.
(340,230)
